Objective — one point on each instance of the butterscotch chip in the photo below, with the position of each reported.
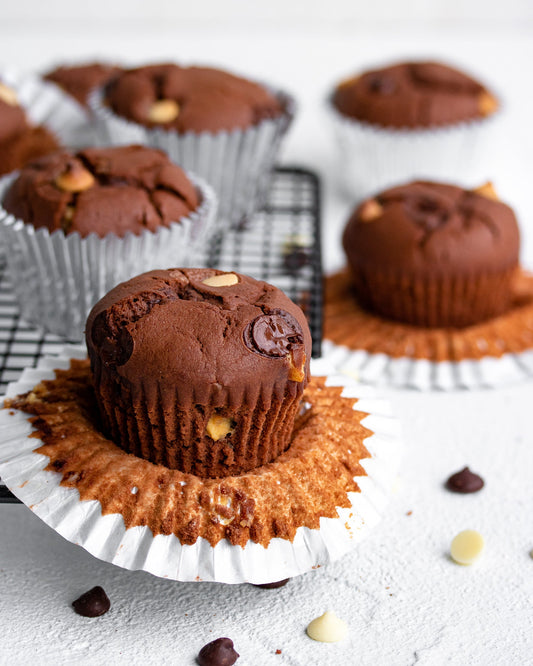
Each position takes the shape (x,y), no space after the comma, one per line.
(75,179)
(8,95)
(467,547)
(370,210)
(222,280)
(487,190)
(163,111)
(487,104)
(218,427)
(327,628)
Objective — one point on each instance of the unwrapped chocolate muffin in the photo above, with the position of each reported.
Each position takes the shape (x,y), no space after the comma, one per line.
(20,141)
(199,370)
(433,255)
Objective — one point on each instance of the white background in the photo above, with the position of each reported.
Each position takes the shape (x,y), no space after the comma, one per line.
(404,600)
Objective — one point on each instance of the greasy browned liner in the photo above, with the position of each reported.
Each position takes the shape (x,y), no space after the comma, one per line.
(347,323)
(307,482)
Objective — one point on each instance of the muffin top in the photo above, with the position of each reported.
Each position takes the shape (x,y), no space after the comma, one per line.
(414,94)
(102,190)
(430,229)
(214,338)
(12,116)
(79,80)
(192,99)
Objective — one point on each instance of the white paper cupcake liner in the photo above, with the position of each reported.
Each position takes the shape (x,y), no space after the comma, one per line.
(46,104)
(237,163)
(371,158)
(423,375)
(105,537)
(57,278)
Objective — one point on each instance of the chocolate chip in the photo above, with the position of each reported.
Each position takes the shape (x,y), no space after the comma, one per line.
(115,348)
(218,653)
(273,586)
(465,481)
(273,334)
(93,603)
(295,258)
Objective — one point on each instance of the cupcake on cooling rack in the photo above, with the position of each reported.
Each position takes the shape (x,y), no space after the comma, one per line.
(205,445)
(433,255)
(76,224)
(223,127)
(20,140)
(407,120)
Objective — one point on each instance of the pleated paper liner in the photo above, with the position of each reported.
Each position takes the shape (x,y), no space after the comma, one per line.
(373,158)
(236,163)
(57,278)
(494,353)
(302,511)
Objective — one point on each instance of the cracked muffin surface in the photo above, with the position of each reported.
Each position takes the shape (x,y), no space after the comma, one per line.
(102,190)
(198,369)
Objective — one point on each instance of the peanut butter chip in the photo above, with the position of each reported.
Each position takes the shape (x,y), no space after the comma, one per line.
(75,179)
(487,190)
(223,280)
(327,628)
(164,111)
(8,95)
(370,210)
(487,104)
(218,427)
(467,547)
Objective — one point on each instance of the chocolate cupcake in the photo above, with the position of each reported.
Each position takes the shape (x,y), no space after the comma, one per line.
(78,80)
(433,255)
(410,119)
(199,370)
(20,141)
(77,224)
(223,127)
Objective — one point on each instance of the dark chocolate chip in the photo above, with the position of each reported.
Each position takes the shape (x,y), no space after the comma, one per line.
(273,586)
(295,258)
(218,653)
(465,481)
(115,349)
(93,603)
(273,334)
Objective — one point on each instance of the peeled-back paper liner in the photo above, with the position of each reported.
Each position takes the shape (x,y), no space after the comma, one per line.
(237,163)
(372,158)
(492,354)
(57,278)
(46,104)
(105,537)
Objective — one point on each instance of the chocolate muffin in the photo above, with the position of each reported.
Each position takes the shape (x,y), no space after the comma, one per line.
(19,140)
(79,80)
(414,95)
(433,255)
(199,370)
(189,99)
(102,190)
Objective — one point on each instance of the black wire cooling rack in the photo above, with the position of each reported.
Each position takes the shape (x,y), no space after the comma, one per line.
(281,245)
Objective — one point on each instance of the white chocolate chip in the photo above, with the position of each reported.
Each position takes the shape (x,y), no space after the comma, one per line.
(218,427)
(77,179)
(370,210)
(327,628)
(487,104)
(487,190)
(467,547)
(222,280)
(164,111)
(8,95)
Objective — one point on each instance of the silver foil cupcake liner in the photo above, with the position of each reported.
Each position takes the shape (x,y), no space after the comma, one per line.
(372,158)
(237,163)
(57,278)
(106,537)
(381,370)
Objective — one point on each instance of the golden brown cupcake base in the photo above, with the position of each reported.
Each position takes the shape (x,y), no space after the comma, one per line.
(307,482)
(346,323)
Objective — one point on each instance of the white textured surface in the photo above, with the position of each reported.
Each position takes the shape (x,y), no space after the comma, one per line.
(439,613)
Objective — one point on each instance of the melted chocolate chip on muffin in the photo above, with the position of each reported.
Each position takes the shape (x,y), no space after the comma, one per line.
(193,99)
(433,255)
(414,94)
(199,370)
(102,190)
